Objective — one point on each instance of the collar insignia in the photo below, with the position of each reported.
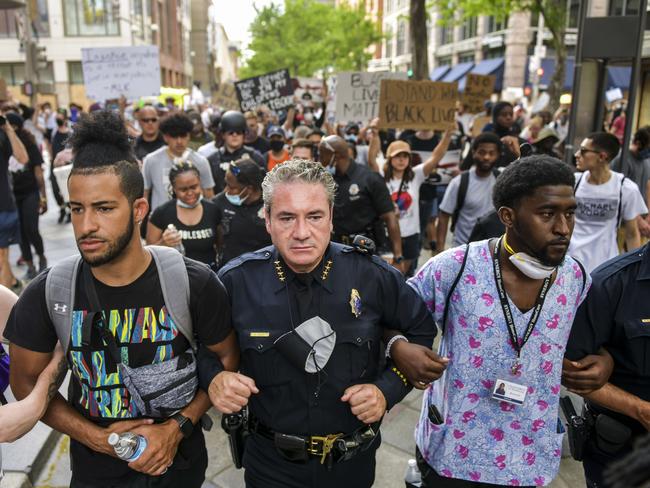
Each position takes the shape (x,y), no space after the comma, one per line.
(279,271)
(326,269)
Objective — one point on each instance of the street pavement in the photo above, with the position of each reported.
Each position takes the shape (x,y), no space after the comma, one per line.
(41,460)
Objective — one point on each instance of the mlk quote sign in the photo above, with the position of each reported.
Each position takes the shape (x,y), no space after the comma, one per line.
(417,104)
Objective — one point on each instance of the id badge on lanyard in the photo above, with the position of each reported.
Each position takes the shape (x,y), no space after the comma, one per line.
(511,385)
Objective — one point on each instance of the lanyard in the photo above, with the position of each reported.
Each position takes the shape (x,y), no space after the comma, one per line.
(507,312)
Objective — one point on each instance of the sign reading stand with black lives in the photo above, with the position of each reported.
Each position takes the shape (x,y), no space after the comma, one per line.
(417,105)
(275,90)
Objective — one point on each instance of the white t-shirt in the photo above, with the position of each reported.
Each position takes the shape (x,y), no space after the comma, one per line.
(594,235)
(478,202)
(409,201)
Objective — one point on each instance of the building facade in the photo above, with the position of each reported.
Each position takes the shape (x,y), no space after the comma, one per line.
(65,26)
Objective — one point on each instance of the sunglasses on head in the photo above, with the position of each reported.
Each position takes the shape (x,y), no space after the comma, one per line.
(149,121)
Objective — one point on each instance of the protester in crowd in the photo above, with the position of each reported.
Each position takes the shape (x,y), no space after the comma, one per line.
(213,146)
(618,126)
(463,118)
(31,199)
(253,136)
(194,219)
(545,142)
(469,195)
(278,153)
(121,277)
(233,128)
(307,282)
(302,149)
(606,200)
(58,141)
(151,138)
(636,164)
(199,137)
(314,135)
(505,308)
(10,146)
(404,182)
(46,120)
(30,125)
(176,130)
(241,211)
(532,130)
(363,205)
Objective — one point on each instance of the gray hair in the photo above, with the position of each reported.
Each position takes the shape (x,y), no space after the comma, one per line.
(297,170)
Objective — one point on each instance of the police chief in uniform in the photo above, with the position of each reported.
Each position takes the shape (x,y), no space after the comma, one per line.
(233,128)
(363,204)
(310,316)
(616,316)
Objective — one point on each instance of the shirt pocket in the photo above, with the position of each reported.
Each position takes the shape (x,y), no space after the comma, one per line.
(637,331)
(355,354)
(261,359)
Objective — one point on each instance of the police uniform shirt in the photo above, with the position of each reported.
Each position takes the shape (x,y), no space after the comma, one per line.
(358,296)
(242,227)
(220,160)
(616,316)
(361,197)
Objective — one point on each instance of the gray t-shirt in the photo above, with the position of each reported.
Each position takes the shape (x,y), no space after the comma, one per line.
(478,202)
(156,168)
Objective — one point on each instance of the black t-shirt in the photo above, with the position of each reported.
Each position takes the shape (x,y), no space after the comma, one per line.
(142,147)
(58,142)
(199,240)
(24,180)
(243,228)
(260,144)
(220,160)
(145,333)
(361,197)
(6,197)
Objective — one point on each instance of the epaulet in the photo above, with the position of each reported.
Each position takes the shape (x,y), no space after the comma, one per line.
(373,258)
(613,266)
(263,254)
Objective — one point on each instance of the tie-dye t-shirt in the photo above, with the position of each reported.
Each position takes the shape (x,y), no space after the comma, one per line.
(483,439)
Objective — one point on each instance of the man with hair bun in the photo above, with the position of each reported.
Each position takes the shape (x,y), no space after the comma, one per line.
(127,326)
(310,371)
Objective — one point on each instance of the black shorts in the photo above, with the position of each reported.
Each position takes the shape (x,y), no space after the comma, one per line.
(411,247)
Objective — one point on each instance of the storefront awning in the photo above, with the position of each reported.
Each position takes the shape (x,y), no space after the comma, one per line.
(457,72)
(493,66)
(439,72)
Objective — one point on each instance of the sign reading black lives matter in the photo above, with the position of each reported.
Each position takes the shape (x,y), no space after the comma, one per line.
(274,90)
(357,94)
(417,104)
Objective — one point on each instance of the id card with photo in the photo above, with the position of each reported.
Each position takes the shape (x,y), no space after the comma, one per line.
(507,391)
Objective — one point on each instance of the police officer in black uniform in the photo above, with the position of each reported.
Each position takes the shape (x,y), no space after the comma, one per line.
(233,127)
(310,316)
(363,204)
(242,211)
(615,315)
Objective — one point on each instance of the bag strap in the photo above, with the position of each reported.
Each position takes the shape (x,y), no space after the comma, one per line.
(175,285)
(460,198)
(575,188)
(60,287)
(620,204)
(452,288)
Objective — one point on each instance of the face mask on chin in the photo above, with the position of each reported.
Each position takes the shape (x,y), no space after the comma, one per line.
(530,266)
(182,204)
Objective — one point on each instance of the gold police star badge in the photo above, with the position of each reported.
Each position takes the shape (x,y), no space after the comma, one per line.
(355,302)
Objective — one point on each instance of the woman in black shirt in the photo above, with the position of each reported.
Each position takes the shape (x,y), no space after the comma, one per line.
(242,211)
(195,220)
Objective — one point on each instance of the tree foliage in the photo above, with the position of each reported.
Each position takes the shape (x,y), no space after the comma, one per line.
(308,36)
(555,20)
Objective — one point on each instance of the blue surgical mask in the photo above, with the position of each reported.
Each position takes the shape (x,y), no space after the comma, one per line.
(331,170)
(236,200)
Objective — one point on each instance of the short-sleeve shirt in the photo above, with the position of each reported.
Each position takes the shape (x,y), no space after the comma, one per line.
(156,167)
(478,202)
(199,240)
(6,196)
(594,235)
(361,197)
(138,319)
(142,148)
(483,439)
(407,198)
(23,175)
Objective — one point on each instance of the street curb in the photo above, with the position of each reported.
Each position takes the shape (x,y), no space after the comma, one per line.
(25,479)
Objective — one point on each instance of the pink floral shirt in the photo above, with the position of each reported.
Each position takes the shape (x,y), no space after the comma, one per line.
(483,439)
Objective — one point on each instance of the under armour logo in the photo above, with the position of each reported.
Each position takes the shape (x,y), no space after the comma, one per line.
(60,307)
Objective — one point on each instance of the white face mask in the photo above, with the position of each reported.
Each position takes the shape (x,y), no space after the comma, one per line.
(528,265)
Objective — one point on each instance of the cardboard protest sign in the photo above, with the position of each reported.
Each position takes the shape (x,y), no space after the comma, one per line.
(226,96)
(274,90)
(417,104)
(110,72)
(357,94)
(478,89)
(308,91)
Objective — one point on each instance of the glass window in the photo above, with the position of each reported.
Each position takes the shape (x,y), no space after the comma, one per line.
(469,28)
(446,34)
(13,73)
(401,38)
(46,75)
(75,73)
(495,24)
(466,57)
(497,52)
(388,43)
(137,18)
(8,20)
(444,61)
(573,14)
(624,7)
(91,18)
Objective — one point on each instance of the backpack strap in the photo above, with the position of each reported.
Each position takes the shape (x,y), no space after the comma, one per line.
(60,285)
(575,188)
(175,285)
(460,198)
(619,215)
(452,288)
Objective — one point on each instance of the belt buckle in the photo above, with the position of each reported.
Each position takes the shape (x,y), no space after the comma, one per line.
(326,443)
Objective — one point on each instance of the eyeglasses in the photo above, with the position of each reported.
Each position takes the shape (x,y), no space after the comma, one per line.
(234,132)
(585,150)
(149,121)
(234,169)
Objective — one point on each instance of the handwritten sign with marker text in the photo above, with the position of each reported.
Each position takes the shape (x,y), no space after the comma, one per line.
(417,104)
(357,94)
(478,89)
(226,96)
(110,72)
(275,90)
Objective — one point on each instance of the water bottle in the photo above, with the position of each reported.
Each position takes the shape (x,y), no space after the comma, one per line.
(127,446)
(412,478)
(180,247)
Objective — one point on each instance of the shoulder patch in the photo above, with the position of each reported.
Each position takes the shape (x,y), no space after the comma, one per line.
(263,254)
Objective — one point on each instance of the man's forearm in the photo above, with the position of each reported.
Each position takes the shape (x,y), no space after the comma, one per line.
(441,232)
(394,235)
(197,407)
(632,238)
(65,419)
(618,400)
(17,147)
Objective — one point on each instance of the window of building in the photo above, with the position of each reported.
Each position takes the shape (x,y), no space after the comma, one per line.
(624,7)
(466,57)
(446,34)
(75,73)
(13,73)
(137,18)
(469,28)
(41,24)
(496,52)
(91,18)
(573,14)
(443,61)
(388,43)
(401,38)
(494,24)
